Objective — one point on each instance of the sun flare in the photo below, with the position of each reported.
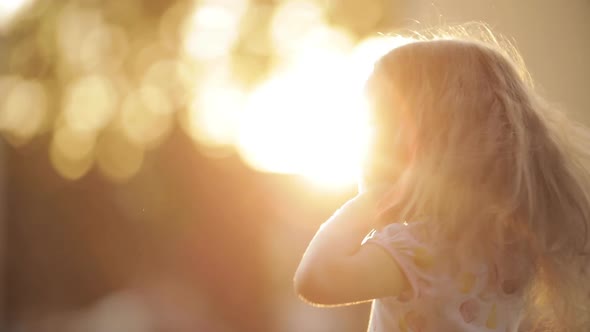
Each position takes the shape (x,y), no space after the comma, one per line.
(308,118)
(308,121)
(311,119)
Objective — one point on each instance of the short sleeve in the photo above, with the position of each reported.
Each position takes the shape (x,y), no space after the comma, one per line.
(413,256)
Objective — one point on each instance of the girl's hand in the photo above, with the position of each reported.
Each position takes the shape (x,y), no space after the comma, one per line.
(392,202)
(362,211)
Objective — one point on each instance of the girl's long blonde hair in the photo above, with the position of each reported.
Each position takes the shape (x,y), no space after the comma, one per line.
(501,172)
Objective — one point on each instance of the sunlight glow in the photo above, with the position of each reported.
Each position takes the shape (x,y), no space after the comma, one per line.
(212,29)
(279,83)
(308,117)
(293,22)
(9,9)
(311,118)
(368,51)
(213,118)
(308,121)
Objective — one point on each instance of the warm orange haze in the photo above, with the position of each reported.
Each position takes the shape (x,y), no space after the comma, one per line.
(164,164)
(306,116)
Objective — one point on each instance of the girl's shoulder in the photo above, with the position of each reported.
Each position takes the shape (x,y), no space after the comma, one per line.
(431,262)
(417,233)
(461,294)
(408,245)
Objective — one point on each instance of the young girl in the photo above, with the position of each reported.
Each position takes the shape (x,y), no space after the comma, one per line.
(478,195)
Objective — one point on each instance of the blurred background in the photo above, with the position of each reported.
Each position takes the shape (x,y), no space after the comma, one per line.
(163,164)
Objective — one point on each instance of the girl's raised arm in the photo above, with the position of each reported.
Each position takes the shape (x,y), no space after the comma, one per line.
(337,270)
